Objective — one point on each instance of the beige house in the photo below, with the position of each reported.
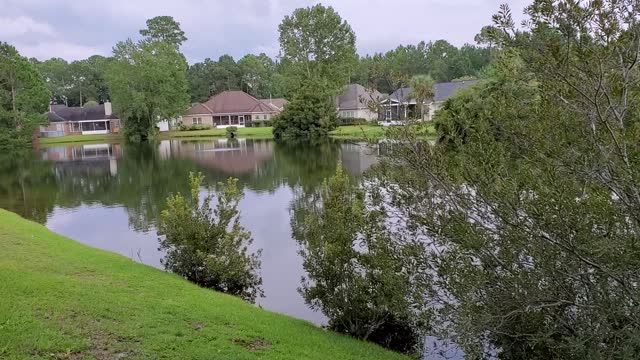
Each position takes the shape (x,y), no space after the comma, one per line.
(355,102)
(230,108)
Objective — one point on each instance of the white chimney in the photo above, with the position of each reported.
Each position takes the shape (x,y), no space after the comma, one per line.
(107,109)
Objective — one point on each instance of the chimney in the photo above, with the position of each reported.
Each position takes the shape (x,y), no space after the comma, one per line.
(107,108)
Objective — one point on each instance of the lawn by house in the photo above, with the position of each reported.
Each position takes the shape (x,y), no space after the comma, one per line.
(64,300)
(354,132)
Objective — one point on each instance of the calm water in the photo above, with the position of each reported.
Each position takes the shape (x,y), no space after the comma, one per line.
(110,196)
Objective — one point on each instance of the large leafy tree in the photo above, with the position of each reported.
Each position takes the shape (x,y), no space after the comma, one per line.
(23,99)
(164,29)
(319,47)
(148,83)
(530,208)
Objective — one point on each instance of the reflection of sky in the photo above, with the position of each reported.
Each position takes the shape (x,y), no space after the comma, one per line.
(266,215)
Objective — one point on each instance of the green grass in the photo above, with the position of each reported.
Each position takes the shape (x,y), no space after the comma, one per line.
(354,132)
(249,133)
(80,138)
(358,132)
(60,299)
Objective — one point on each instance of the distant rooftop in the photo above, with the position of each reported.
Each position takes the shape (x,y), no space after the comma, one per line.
(60,113)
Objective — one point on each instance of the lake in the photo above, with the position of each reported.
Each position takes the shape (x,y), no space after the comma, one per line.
(109,196)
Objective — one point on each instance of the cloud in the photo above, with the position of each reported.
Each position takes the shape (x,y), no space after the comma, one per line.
(68,51)
(23,25)
(235,27)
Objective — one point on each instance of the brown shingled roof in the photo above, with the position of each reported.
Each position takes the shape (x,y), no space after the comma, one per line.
(231,102)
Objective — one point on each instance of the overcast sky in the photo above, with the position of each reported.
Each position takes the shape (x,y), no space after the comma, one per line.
(76,29)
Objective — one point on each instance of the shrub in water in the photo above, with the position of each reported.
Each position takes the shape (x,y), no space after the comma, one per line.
(209,246)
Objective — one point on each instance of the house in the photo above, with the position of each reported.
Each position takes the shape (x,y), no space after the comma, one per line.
(96,119)
(401,105)
(358,102)
(230,108)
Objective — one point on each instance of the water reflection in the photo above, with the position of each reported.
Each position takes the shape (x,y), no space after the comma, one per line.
(110,195)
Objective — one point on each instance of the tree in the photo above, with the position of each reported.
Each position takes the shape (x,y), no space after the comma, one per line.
(356,273)
(164,29)
(317,47)
(310,114)
(23,99)
(148,82)
(530,208)
(422,90)
(210,247)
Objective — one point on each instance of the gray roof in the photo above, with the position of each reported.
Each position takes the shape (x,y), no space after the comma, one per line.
(279,103)
(402,94)
(60,113)
(356,96)
(442,91)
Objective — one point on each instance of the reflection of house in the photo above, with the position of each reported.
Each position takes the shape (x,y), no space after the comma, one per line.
(358,102)
(401,105)
(358,158)
(88,159)
(96,119)
(235,157)
(230,108)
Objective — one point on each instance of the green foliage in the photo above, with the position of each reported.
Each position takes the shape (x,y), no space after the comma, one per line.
(356,273)
(148,84)
(75,83)
(440,60)
(193,127)
(310,114)
(318,48)
(23,99)
(232,132)
(164,29)
(210,247)
(530,201)
(422,91)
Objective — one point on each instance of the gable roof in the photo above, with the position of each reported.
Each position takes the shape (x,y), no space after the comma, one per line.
(402,94)
(231,102)
(279,103)
(356,96)
(60,113)
(443,91)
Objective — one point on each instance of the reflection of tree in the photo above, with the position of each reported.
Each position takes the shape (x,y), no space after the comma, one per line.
(28,187)
(145,176)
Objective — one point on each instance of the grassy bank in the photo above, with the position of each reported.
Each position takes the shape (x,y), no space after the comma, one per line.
(80,138)
(63,300)
(248,133)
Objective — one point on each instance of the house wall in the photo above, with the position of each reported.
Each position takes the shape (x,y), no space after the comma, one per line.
(359,114)
(203,119)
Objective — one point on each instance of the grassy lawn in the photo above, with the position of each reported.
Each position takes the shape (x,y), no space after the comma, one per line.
(80,138)
(249,133)
(358,132)
(344,132)
(64,300)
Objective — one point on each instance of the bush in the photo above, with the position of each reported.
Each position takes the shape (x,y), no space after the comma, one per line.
(311,114)
(194,127)
(352,121)
(262,123)
(208,247)
(369,294)
(232,132)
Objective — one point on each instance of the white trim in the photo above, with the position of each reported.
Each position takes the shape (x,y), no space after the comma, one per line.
(94,132)
(84,121)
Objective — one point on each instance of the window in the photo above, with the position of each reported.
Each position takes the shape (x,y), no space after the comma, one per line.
(348,114)
(196,121)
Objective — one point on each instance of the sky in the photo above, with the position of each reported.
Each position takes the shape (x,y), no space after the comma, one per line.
(77,29)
